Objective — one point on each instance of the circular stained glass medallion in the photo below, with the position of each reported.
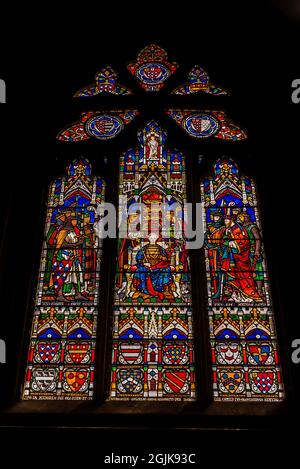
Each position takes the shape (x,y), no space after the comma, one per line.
(104,127)
(152,73)
(201,125)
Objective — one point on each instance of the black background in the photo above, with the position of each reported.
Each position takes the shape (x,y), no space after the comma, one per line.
(249,48)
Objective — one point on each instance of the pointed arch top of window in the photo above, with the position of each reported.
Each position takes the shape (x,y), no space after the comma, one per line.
(198,80)
(152,68)
(105,82)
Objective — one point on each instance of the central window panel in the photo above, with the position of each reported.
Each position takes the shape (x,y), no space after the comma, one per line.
(153,354)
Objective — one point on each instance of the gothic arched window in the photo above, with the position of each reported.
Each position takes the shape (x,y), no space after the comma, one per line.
(241,321)
(61,358)
(157,330)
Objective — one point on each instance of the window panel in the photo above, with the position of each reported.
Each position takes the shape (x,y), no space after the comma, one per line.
(62,347)
(243,337)
(153,333)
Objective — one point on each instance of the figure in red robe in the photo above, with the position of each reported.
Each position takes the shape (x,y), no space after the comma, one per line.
(238,279)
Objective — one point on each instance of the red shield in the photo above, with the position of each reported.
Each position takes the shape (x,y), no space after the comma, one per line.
(263,380)
(153,73)
(104,126)
(176,380)
(77,351)
(47,351)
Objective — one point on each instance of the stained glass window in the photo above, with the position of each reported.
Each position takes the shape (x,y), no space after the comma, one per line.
(242,330)
(61,356)
(152,333)
(152,317)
